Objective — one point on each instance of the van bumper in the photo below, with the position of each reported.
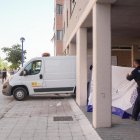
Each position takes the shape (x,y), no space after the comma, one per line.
(6,90)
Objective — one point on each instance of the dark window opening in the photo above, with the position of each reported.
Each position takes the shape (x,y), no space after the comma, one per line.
(72,6)
(59,9)
(59,34)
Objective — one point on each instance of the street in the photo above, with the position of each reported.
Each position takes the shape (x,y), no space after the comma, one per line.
(34,119)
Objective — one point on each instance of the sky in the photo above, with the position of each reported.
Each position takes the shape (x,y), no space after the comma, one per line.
(31,19)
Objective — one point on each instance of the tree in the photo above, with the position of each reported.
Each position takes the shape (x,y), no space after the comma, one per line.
(3,64)
(14,55)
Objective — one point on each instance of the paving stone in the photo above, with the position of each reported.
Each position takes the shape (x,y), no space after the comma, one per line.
(52,134)
(66,134)
(53,138)
(66,138)
(79,138)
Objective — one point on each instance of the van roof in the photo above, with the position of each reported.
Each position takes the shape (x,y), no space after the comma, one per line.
(55,57)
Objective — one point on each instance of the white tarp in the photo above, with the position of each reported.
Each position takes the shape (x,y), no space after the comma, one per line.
(124,92)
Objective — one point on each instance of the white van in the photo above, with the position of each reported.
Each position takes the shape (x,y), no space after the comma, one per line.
(43,75)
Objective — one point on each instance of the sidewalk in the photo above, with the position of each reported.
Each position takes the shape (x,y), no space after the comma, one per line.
(34,119)
(122,129)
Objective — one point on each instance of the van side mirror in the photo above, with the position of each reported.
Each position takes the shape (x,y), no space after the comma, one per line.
(25,73)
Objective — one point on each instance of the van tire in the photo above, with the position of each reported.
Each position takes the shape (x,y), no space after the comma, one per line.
(20,93)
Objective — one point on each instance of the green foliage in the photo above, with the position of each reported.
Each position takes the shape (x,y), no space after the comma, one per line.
(3,64)
(13,55)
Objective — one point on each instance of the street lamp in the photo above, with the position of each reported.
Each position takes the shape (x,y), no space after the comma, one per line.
(22,39)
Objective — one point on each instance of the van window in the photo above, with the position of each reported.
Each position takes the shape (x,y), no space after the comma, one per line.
(34,67)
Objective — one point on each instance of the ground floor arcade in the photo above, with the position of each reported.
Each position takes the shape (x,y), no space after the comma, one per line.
(107,33)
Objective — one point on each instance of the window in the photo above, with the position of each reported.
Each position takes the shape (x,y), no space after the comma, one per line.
(59,35)
(34,67)
(59,9)
(72,6)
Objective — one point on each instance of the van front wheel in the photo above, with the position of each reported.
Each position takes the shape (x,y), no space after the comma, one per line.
(20,93)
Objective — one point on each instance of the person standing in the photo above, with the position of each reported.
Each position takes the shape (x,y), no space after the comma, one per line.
(4,75)
(135,74)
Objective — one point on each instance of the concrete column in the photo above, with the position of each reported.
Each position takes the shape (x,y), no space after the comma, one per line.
(81,67)
(72,49)
(135,54)
(102,94)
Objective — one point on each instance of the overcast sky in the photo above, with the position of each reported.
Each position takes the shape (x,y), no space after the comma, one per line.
(32,19)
